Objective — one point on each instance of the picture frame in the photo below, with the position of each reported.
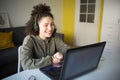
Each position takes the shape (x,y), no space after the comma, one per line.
(4,21)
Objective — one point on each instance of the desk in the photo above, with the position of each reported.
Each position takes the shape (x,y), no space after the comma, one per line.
(108,69)
(25,75)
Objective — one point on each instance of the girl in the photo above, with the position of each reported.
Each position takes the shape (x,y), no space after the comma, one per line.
(40,47)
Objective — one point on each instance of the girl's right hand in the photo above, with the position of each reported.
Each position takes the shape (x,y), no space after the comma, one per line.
(57,58)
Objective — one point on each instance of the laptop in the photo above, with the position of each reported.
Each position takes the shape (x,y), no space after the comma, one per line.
(77,61)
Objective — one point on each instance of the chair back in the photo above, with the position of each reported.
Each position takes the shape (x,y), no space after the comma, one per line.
(19,63)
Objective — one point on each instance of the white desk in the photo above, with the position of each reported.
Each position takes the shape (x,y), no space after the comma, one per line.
(109,69)
(25,75)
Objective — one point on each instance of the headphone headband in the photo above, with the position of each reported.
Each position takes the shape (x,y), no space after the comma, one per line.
(36,28)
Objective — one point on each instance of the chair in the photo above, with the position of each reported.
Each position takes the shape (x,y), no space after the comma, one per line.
(19,64)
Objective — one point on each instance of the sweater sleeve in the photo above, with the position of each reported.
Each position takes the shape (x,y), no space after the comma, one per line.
(27,60)
(61,45)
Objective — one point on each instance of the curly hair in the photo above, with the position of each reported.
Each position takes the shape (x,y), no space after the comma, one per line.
(39,11)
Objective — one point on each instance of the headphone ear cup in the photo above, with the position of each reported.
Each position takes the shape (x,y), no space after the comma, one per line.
(36,28)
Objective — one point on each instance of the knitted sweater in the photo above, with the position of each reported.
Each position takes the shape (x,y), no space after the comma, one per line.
(37,53)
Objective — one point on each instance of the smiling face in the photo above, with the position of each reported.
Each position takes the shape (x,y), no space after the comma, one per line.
(46,26)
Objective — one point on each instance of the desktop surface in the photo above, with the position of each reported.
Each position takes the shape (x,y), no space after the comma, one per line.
(108,69)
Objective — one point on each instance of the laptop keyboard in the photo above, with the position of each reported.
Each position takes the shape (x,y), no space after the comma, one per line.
(55,73)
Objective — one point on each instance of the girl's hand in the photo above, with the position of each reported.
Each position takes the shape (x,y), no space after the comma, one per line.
(57,58)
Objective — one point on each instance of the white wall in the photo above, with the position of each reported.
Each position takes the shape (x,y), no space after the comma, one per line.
(19,11)
(111,26)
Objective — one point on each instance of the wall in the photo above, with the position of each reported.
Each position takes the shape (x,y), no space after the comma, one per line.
(111,26)
(19,11)
(68,20)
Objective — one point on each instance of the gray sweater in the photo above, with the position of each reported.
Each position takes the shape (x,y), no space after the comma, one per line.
(36,53)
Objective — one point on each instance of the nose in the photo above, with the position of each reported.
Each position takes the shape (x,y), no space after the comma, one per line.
(50,27)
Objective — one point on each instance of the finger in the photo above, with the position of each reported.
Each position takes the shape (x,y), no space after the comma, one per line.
(55,60)
(59,55)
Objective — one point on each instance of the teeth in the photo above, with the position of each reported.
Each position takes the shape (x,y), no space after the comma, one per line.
(49,32)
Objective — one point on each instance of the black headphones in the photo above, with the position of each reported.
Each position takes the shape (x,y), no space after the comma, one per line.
(36,28)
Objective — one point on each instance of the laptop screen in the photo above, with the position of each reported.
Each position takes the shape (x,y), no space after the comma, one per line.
(81,60)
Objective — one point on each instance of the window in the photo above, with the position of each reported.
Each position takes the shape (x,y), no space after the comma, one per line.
(87,11)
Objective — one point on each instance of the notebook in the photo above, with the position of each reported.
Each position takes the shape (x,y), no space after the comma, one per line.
(77,61)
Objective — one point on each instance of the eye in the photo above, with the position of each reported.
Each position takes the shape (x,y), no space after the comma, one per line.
(46,25)
(52,24)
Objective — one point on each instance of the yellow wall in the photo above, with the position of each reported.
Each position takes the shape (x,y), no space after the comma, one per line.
(68,20)
(100,21)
